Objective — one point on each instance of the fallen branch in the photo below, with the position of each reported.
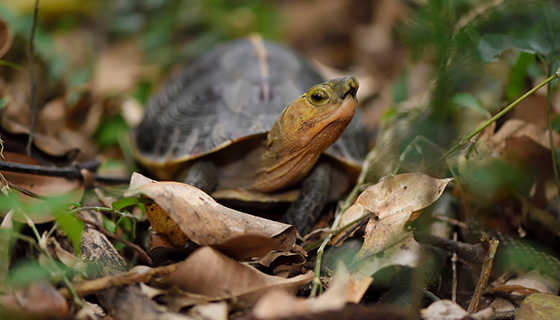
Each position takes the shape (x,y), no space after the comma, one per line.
(69,172)
(119,280)
(484,276)
(469,252)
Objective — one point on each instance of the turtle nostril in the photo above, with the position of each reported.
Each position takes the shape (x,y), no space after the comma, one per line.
(353,86)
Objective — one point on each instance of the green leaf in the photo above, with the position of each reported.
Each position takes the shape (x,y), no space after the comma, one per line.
(127,202)
(518,75)
(109,224)
(110,131)
(73,227)
(491,46)
(9,202)
(467,100)
(26,272)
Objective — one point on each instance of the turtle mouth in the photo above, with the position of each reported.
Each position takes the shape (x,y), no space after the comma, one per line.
(347,86)
(352,91)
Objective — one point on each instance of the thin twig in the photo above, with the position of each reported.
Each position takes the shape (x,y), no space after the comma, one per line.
(551,140)
(454,270)
(465,141)
(320,251)
(357,221)
(96,285)
(52,262)
(470,252)
(484,276)
(33,80)
(26,192)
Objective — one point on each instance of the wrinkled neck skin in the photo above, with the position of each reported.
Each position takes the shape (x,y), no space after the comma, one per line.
(296,141)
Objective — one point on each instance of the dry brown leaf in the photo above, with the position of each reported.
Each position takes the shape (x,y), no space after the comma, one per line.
(209,272)
(72,190)
(353,213)
(5,38)
(449,310)
(406,252)
(277,304)
(67,258)
(207,223)
(519,143)
(275,258)
(394,202)
(516,128)
(51,135)
(209,311)
(344,288)
(174,298)
(118,69)
(34,302)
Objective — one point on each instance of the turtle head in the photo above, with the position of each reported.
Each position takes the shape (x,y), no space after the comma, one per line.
(306,128)
(318,117)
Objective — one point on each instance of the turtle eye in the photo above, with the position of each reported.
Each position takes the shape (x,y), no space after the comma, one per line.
(318,97)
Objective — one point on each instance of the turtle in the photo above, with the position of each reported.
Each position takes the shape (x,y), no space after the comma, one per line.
(251,121)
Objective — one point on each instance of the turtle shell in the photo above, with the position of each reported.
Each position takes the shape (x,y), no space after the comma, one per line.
(235,91)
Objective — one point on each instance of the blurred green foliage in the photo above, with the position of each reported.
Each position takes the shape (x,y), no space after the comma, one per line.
(175,31)
(459,44)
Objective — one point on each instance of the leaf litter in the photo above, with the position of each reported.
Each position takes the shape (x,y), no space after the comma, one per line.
(232,261)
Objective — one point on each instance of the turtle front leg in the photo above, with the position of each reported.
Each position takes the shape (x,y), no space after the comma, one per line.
(305,210)
(203,175)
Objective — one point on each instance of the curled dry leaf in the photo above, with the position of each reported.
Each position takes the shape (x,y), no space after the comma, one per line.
(207,223)
(283,264)
(210,273)
(394,202)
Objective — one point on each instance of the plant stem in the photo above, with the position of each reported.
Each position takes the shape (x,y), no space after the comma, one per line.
(550,138)
(464,142)
(320,251)
(33,80)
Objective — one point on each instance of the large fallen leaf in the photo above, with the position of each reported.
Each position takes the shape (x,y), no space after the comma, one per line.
(394,202)
(210,273)
(207,223)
